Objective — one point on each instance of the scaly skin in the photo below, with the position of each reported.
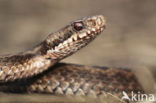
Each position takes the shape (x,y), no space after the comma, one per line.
(28,72)
(72,79)
(55,47)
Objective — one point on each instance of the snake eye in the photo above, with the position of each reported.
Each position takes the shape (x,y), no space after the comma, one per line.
(78,26)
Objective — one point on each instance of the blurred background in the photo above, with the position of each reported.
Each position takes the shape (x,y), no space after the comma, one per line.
(128,41)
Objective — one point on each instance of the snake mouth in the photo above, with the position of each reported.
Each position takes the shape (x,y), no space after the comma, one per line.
(88,35)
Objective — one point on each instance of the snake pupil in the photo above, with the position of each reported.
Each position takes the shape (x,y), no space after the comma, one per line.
(78,26)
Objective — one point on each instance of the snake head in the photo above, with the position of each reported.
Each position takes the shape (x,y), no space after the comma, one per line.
(89,27)
(73,37)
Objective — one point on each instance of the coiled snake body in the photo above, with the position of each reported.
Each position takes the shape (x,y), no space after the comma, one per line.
(33,70)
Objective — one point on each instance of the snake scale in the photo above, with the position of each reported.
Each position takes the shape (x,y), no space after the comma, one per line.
(38,71)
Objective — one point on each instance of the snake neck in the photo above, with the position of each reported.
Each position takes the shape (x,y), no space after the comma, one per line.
(54,47)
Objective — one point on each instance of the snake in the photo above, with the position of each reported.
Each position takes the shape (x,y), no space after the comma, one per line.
(38,70)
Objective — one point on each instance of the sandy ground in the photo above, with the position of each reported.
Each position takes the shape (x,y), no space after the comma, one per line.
(129,40)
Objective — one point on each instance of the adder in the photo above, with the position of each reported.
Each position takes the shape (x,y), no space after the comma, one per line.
(38,71)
